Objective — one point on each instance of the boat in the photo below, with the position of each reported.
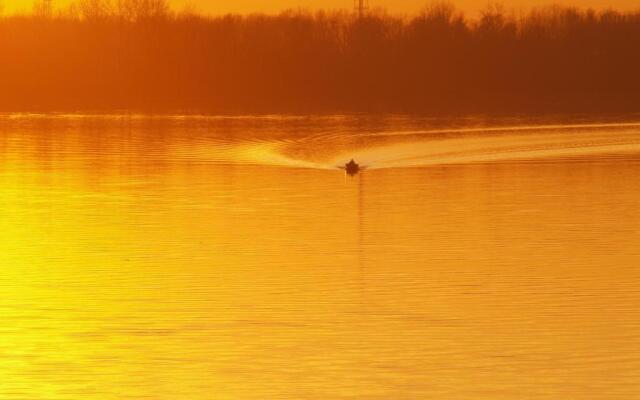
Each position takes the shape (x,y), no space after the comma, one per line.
(352,167)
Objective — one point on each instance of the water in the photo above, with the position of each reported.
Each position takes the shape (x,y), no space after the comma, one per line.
(230,258)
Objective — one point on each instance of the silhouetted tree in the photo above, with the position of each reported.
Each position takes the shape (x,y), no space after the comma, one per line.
(95,9)
(42,8)
(136,10)
(115,54)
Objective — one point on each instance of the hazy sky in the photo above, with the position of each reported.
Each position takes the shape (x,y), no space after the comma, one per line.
(402,6)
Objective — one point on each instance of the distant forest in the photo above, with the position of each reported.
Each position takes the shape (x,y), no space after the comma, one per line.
(141,55)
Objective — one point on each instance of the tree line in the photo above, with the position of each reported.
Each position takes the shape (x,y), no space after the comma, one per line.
(142,55)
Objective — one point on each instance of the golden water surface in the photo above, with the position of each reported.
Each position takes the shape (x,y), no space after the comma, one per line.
(230,258)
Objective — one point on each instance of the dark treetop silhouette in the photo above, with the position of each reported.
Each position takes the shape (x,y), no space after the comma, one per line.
(138,54)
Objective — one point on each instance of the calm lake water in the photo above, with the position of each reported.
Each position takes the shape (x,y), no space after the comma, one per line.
(229,258)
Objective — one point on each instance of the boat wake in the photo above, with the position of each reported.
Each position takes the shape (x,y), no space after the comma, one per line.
(411,148)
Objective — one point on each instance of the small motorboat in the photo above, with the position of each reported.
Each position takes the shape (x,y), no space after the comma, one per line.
(352,167)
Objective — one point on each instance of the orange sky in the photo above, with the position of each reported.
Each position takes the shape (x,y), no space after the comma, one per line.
(407,6)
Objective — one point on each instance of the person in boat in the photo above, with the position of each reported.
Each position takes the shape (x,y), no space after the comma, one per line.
(352,167)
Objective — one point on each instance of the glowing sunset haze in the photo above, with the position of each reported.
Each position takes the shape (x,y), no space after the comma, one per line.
(399,6)
(437,201)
